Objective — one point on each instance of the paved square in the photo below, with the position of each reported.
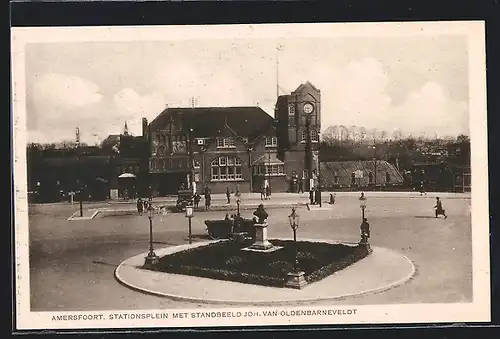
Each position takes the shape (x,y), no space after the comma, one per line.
(71,259)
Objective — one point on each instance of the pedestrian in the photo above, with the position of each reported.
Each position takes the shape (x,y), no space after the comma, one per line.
(311,195)
(301,187)
(208,199)
(268,192)
(422,188)
(228,195)
(140,206)
(262,192)
(332,198)
(317,196)
(439,208)
(196,199)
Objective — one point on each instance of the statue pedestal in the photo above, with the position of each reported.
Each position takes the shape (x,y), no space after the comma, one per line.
(261,242)
(296,280)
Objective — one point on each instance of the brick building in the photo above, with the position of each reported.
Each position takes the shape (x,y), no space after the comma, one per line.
(234,147)
(296,113)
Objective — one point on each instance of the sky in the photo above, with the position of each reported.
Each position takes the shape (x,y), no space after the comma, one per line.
(416,85)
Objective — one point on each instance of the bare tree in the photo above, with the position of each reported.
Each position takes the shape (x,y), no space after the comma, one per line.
(354,133)
(362,134)
(383,135)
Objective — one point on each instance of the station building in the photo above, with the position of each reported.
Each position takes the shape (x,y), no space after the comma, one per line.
(235,148)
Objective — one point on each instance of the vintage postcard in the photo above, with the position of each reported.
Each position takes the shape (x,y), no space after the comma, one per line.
(243,175)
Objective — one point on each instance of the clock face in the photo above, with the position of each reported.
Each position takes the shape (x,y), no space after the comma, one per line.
(308,108)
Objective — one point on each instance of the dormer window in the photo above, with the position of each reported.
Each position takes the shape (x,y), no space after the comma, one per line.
(225,143)
(271,141)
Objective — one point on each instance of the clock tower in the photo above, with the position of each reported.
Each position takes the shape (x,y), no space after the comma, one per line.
(299,125)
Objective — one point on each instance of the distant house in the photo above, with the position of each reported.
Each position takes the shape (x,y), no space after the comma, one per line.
(441,176)
(354,174)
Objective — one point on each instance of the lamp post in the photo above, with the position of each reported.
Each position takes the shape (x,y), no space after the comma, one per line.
(374,147)
(152,258)
(189,215)
(238,201)
(294,224)
(362,205)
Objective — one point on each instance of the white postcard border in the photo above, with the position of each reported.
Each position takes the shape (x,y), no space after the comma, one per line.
(477,311)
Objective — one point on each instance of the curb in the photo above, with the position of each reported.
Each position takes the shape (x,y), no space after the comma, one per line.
(73,217)
(175,297)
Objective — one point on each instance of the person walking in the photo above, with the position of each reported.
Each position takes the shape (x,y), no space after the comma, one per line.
(196,200)
(208,199)
(268,192)
(439,209)
(228,195)
(301,186)
(262,192)
(140,206)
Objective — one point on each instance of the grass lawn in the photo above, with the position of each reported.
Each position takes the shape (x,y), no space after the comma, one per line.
(226,261)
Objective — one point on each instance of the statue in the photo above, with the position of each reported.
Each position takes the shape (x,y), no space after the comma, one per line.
(261,214)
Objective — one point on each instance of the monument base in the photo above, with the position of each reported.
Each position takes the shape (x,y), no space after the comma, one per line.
(150,261)
(257,249)
(296,280)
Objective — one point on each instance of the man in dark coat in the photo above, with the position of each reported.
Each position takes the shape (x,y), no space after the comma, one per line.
(439,208)
(140,206)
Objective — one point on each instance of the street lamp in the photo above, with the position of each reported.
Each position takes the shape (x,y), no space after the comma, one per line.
(308,108)
(374,147)
(152,258)
(189,215)
(238,201)
(294,224)
(362,205)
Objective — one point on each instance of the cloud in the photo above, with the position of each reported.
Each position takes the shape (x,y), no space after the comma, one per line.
(431,109)
(132,107)
(58,103)
(65,91)
(355,94)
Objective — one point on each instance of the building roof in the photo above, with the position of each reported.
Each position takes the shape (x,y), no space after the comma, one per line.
(215,121)
(344,169)
(269,158)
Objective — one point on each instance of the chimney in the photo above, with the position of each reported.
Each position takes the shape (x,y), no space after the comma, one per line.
(144,127)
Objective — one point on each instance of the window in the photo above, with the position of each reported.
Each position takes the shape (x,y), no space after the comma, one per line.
(271,141)
(314,136)
(225,143)
(226,168)
(269,170)
(291,110)
(196,163)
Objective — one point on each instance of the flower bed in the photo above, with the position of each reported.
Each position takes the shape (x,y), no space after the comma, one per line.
(225,261)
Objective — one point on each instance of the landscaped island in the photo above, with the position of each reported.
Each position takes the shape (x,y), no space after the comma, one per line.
(226,260)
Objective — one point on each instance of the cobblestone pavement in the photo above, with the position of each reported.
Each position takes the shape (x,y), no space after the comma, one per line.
(72,262)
